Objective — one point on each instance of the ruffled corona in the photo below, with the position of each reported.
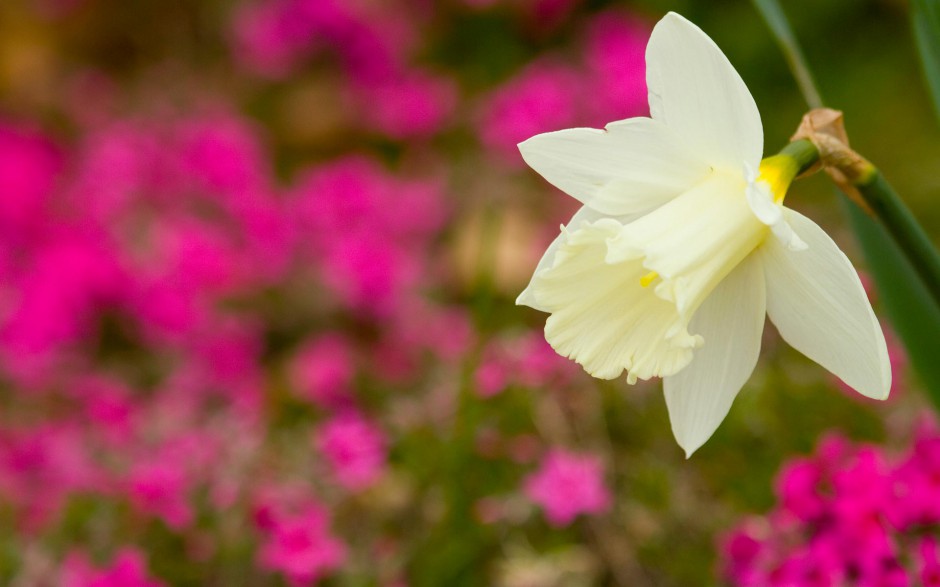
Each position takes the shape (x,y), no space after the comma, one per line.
(622,296)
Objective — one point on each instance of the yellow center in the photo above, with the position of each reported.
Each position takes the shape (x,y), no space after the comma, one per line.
(649,278)
(778,172)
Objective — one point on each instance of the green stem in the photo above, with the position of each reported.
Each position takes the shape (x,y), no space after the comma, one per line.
(804,152)
(904,228)
(887,206)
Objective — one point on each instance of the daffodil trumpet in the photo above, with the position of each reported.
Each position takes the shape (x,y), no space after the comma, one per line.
(683,246)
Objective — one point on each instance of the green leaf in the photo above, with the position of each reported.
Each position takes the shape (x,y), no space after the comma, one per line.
(913,313)
(780,27)
(925,17)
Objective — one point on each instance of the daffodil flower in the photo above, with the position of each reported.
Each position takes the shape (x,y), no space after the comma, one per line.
(683,245)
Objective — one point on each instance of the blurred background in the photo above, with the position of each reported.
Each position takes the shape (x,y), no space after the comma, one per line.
(257,269)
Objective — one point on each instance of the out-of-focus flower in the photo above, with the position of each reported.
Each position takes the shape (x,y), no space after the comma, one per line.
(680,232)
(355,449)
(161,488)
(322,371)
(568,484)
(407,106)
(614,55)
(542,97)
(129,569)
(301,547)
(845,514)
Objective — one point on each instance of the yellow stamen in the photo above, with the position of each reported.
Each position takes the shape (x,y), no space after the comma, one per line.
(647,279)
(778,172)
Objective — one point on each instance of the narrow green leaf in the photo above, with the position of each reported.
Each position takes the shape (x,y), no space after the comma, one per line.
(777,21)
(913,313)
(907,300)
(925,17)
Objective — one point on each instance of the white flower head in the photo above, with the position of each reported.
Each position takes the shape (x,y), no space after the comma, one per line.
(683,245)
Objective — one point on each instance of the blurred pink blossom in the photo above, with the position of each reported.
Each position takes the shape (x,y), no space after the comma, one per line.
(301,547)
(543,97)
(568,484)
(129,569)
(615,55)
(355,448)
(161,488)
(846,513)
(29,166)
(322,371)
(409,105)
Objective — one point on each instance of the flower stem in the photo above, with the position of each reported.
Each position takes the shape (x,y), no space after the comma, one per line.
(804,152)
(885,204)
(903,227)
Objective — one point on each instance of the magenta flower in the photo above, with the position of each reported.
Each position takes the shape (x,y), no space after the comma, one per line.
(129,569)
(409,105)
(616,61)
(161,489)
(568,484)
(846,515)
(355,449)
(322,371)
(543,97)
(301,547)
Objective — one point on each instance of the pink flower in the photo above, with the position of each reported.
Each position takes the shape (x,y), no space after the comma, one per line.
(161,489)
(408,105)
(616,60)
(543,97)
(846,516)
(129,569)
(264,39)
(322,371)
(929,562)
(492,376)
(355,449)
(301,547)
(29,167)
(568,484)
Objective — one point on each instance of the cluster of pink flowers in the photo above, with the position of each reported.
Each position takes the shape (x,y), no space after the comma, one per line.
(127,570)
(847,515)
(550,94)
(372,44)
(526,361)
(153,242)
(175,313)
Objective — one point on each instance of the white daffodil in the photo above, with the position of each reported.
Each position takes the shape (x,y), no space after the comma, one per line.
(683,245)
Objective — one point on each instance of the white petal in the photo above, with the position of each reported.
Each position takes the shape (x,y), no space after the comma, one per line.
(731,321)
(762,204)
(632,166)
(602,317)
(581,217)
(694,90)
(818,304)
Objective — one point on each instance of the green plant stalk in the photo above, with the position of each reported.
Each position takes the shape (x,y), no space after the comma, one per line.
(903,228)
(804,152)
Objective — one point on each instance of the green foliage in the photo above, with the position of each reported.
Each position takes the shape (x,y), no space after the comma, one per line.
(925,17)
(913,312)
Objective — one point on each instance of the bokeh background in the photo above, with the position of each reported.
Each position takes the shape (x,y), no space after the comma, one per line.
(257,269)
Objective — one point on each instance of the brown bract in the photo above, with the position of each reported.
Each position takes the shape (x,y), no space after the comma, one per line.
(825,128)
